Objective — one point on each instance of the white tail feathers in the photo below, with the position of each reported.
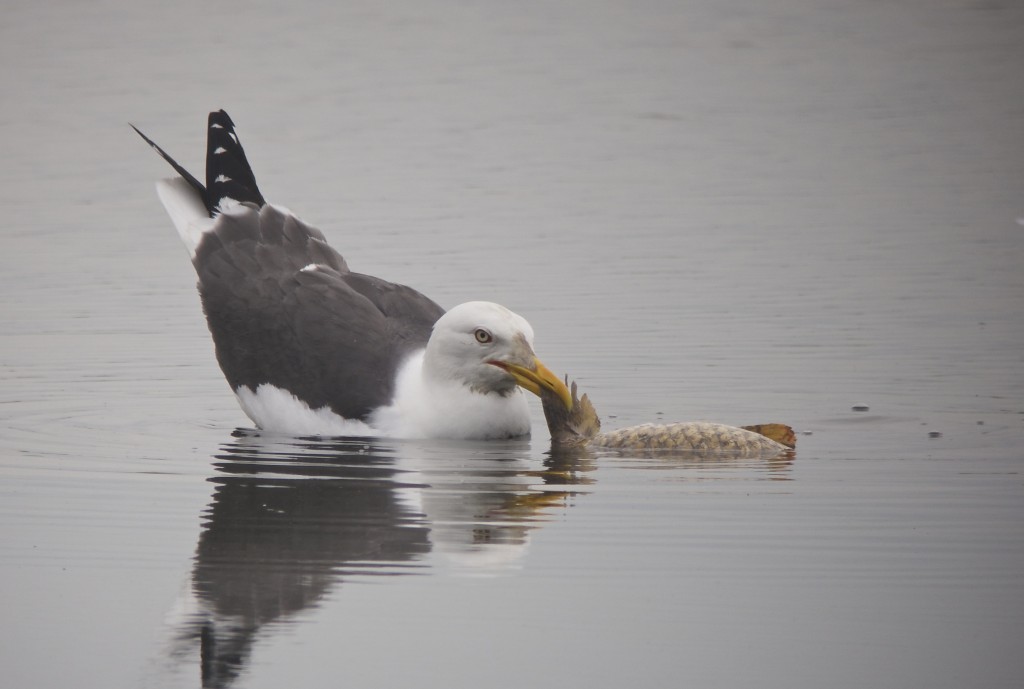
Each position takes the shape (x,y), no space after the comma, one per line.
(187,211)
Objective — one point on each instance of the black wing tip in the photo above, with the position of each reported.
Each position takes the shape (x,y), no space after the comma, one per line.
(185,174)
(228,173)
(220,117)
(146,138)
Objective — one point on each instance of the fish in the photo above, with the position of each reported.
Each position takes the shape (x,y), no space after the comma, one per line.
(580,427)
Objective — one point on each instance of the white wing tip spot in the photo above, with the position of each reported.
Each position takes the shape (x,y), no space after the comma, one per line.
(309,268)
(228,205)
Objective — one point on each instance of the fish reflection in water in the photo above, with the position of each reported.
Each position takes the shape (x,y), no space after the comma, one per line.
(291,519)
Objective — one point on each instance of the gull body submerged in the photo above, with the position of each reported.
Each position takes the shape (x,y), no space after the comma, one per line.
(310,347)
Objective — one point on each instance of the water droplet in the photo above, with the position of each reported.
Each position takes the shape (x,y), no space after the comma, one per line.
(934,434)
(860,407)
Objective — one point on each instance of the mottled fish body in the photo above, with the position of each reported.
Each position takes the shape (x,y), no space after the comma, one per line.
(689,436)
(579,426)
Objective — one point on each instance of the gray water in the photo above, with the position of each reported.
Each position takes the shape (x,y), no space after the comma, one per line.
(741,212)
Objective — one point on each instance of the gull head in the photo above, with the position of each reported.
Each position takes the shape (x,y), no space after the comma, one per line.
(488,349)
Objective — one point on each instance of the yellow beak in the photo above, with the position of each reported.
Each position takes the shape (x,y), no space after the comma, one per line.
(535,378)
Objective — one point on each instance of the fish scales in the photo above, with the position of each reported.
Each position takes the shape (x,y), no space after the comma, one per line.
(700,436)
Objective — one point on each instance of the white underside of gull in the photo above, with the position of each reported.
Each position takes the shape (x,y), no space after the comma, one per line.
(419,411)
(449,409)
(279,411)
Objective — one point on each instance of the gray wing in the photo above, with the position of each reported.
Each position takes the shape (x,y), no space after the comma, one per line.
(284,309)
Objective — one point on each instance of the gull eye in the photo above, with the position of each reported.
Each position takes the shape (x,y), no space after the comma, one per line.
(482,336)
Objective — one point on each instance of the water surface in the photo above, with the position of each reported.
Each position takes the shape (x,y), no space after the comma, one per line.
(706,210)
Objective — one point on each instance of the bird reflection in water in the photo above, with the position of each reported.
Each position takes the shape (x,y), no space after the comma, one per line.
(292,519)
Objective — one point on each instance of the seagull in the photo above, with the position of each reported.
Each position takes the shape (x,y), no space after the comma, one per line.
(310,347)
